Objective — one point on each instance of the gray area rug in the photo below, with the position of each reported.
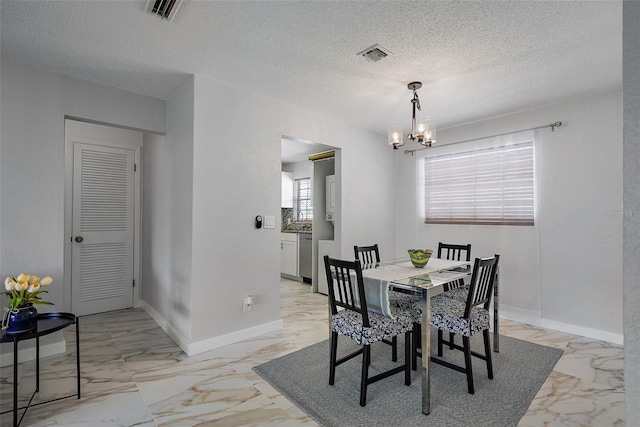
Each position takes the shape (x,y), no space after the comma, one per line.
(520,369)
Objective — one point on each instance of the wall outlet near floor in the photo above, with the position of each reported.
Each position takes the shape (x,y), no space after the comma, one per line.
(248,304)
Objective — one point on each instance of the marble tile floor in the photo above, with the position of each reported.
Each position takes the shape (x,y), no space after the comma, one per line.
(133,374)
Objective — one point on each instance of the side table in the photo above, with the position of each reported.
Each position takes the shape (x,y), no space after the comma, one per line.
(47,323)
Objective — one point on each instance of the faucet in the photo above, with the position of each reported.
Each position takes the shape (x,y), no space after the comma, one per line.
(300,214)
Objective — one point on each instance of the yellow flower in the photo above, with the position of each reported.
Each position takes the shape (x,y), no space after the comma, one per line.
(9,283)
(25,289)
(21,285)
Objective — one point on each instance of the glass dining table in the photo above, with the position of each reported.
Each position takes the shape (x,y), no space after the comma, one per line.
(380,277)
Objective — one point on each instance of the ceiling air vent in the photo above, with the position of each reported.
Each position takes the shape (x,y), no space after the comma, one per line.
(165,9)
(375,53)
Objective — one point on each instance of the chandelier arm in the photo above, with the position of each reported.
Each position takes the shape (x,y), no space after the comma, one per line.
(415,102)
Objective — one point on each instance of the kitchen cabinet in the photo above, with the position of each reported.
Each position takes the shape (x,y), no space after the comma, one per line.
(289,254)
(287,190)
(330,191)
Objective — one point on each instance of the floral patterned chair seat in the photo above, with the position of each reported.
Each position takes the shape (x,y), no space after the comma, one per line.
(448,315)
(349,324)
(459,294)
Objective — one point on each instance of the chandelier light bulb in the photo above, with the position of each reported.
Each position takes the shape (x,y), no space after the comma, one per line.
(396,137)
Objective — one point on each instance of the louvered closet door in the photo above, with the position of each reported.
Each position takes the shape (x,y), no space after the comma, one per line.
(103,209)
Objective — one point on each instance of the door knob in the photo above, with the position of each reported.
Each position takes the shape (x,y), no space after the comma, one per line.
(79,239)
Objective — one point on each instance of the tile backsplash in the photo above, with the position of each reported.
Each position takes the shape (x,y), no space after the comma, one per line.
(288,224)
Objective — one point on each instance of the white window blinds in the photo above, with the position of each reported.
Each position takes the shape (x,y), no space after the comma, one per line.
(303,207)
(487,186)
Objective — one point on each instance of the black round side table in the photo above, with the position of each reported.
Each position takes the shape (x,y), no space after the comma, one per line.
(47,323)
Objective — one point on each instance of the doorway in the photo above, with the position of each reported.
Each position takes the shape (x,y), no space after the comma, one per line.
(296,165)
(102,217)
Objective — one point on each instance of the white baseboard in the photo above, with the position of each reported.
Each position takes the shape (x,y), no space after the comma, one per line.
(182,342)
(28,354)
(192,349)
(237,336)
(596,334)
(533,318)
(290,277)
(529,317)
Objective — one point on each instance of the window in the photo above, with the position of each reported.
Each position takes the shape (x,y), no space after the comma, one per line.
(303,210)
(485,186)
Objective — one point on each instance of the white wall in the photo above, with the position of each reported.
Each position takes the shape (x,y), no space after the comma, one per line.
(566,271)
(33,108)
(1,61)
(299,169)
(366,187)
(322,229)
(631,64)
(237,176)
(167,226)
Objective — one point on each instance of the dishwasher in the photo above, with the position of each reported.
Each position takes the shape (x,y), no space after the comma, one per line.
(305,257)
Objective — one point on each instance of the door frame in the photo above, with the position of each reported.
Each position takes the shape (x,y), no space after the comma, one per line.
(86,128)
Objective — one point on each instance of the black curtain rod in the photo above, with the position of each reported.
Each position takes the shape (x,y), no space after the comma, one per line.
(552,126)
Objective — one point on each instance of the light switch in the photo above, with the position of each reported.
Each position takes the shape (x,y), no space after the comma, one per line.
(269,221)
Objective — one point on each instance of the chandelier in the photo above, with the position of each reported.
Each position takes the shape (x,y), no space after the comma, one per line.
(421,130)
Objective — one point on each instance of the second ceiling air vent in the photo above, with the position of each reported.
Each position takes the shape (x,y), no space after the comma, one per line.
(375,53)
(165,9)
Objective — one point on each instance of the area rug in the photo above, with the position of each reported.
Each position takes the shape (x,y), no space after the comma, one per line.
(520,369)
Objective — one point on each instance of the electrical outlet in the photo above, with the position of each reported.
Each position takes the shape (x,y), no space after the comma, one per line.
(248,304)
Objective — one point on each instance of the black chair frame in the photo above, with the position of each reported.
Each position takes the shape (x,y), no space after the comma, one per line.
(480,293)
(351,296)
(369,257)
(454,252)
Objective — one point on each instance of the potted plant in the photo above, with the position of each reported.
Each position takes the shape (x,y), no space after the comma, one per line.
(23,292)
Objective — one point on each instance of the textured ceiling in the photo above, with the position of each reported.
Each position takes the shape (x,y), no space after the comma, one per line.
(476,59)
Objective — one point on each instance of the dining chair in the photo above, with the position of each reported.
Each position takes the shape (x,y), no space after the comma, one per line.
(468,318)
(347,292)
(456,289)
(454,252)
(400,300)
(369,257)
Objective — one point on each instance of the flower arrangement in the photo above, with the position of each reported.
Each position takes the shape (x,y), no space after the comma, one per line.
(25,289)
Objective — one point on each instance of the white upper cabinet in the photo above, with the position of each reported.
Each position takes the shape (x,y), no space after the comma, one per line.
(287,190)
(331,196)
